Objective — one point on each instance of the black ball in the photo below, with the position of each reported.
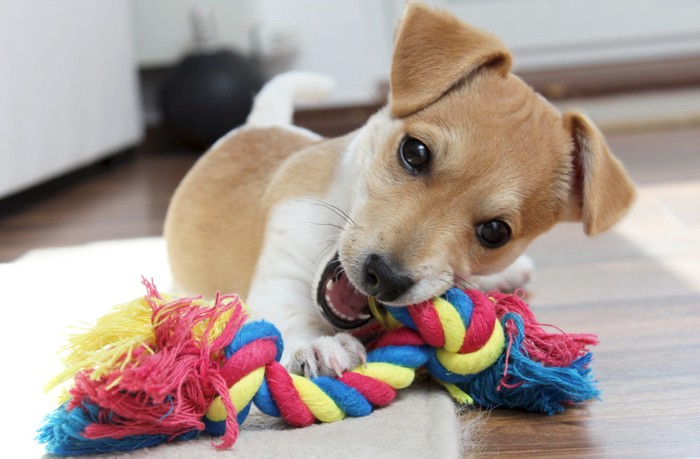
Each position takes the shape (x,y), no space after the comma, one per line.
(208,94)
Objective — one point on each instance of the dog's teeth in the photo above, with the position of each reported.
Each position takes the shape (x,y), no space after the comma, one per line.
(364,316)
(340,314)
(329,285)
(329,302)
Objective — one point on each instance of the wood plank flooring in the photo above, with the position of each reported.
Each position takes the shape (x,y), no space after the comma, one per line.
(116,200)
(637,287)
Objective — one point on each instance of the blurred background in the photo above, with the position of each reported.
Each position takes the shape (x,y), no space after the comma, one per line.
(91,87)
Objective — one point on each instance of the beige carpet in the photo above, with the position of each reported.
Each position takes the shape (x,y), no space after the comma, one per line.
(47,291)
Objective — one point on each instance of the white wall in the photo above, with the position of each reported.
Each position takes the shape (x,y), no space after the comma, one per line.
(348,39)
(163,32)
(562,33)
(351,39)
(68,88)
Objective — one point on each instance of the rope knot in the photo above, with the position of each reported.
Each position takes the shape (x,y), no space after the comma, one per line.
(462,330)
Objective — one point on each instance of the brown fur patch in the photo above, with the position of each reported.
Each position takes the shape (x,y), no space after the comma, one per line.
(601,190)
(435,51)
(216,221)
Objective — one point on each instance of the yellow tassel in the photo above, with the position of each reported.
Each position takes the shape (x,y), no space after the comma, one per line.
(110,342)
(457,394)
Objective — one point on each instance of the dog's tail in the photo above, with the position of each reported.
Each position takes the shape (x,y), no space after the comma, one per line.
(274,104)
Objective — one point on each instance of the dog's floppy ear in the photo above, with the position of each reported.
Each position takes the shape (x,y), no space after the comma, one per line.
(602,192)
(434,51)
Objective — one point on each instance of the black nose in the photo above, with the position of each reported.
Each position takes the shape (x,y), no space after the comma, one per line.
(384,280)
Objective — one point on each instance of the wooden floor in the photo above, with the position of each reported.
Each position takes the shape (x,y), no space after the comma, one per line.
(638,287)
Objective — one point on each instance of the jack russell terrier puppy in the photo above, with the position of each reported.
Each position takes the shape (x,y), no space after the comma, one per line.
(460,171)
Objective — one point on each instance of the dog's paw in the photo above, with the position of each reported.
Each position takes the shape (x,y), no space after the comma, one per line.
(327,356)
(518,275)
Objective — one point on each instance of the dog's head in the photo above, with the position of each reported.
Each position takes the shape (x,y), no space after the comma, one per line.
(463,168)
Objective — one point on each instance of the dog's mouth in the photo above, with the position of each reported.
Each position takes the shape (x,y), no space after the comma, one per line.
(339,301)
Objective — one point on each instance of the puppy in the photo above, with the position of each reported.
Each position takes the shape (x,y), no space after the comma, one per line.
(453,178)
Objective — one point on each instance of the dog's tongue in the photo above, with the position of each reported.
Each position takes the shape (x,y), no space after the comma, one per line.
(346,300)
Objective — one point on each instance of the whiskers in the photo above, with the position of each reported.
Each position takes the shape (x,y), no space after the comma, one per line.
(326,224)
(332,240)
(333,208)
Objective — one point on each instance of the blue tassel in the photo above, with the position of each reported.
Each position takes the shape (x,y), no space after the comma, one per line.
(530,384)
(62,433)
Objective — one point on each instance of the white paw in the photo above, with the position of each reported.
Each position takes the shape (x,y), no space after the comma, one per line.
(327,356)
(517,275)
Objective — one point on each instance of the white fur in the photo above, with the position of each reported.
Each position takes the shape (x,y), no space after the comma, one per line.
(282,285)
(518,275)
(275,103)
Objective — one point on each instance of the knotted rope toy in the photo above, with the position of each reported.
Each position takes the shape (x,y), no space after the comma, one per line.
(160,369)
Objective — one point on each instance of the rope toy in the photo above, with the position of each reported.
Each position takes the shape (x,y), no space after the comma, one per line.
(160,369)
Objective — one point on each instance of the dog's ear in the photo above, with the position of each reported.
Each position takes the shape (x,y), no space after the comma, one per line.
(434,51)
(601,191)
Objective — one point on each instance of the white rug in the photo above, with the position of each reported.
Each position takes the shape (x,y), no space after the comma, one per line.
(47,290)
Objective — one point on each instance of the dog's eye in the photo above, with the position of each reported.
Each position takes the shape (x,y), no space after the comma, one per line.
(493,234)
(414,155)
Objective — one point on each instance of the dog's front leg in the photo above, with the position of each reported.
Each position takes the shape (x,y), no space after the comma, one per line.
(311,345)
(282,293)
